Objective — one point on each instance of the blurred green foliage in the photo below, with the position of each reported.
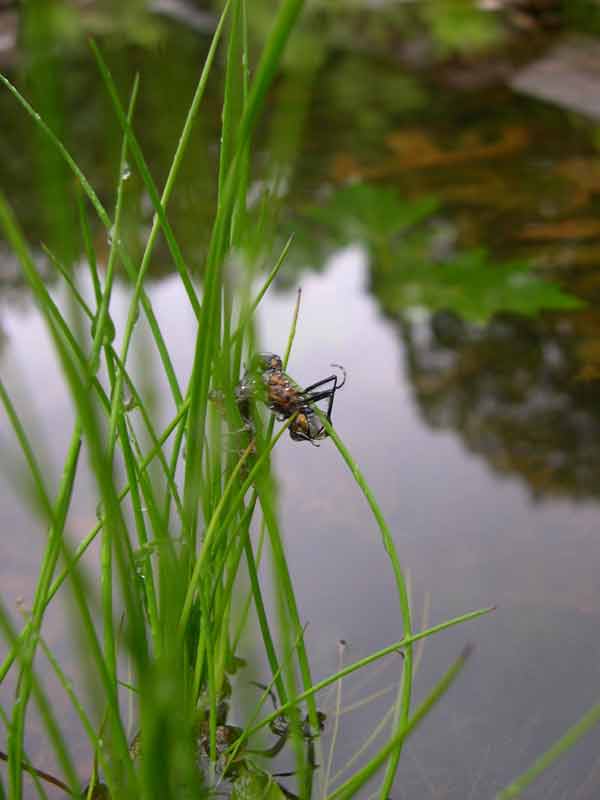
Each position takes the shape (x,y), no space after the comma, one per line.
(460,26)
(366,213)
(369,93)
(406,271)
(474,287)
(582,15)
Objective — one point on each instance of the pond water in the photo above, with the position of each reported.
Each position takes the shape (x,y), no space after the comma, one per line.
(479,433)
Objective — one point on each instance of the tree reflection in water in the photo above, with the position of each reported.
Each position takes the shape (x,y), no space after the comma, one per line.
(513,391)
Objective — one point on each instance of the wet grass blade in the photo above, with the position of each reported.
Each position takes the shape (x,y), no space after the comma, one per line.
(160,221)
(102,318)
(101,321)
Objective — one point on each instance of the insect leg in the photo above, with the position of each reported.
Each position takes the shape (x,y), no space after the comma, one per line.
(335,378)
(326,394)
(322,383)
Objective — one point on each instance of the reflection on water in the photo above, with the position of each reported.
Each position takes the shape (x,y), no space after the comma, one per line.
(512,392)
(432,400)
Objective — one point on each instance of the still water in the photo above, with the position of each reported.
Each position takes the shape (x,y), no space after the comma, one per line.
(480,438)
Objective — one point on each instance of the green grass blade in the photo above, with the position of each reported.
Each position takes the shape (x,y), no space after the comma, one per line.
(403,708)
(565,743)
(232,507)
(102,317)
(161,221)
(39,121)
(87,541)
(355,783)
(28,452)
(208,333)
(30,684)
(364,662)
(102,320)
(107,222)
(78,386)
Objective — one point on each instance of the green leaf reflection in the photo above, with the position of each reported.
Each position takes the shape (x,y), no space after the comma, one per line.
(363,212)
(474,287)
(407,269)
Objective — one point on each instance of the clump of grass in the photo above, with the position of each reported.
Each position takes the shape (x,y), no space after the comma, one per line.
(175,539)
